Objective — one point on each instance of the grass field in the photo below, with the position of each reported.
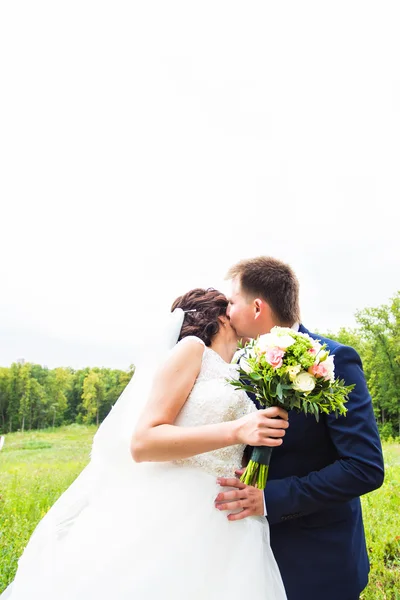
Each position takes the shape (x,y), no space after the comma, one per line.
(35,468)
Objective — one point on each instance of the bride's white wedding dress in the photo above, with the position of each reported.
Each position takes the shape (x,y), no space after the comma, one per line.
(157,534)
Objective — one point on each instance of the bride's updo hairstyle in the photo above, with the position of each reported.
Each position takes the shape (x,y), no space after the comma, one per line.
(205,306)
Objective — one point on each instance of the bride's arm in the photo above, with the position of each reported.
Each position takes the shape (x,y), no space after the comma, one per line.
(157,438)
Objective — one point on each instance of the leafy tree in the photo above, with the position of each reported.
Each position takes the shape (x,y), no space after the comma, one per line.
(4,396)
(60,381)
(381,328)
(93,396)
(34,397)
(74,395)
(14,396)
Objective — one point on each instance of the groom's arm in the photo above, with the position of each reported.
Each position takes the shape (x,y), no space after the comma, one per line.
(359,467)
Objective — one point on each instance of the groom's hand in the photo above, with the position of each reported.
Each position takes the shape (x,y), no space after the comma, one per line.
(246,498)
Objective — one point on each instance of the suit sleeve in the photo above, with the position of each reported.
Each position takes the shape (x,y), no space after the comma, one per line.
(359,466)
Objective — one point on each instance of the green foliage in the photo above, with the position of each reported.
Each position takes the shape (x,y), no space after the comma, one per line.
(93,396)
(377,339)
(34,397)
(283,385)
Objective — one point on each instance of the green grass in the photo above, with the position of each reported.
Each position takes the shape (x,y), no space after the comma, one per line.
(35,468)
(382,527)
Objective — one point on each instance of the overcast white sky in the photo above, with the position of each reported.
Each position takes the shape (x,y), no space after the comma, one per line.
(145,146)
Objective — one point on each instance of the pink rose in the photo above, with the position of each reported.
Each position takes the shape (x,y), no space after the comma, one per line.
(319,371)
(312,351)
(274,357)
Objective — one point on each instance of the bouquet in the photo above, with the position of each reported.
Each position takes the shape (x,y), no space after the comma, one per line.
(292,370)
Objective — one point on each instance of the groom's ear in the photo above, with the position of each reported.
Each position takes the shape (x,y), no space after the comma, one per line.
(258,307)
(261,309)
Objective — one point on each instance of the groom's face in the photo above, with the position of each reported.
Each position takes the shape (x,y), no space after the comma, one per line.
(241,312)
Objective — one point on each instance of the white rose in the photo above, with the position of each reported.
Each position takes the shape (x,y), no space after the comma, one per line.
(275,340)
(283,336)
(244,365)
(304,382)
(268,340)
(293,371)
(284,341)
(280,330)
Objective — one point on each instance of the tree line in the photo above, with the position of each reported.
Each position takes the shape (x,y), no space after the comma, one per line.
(34,397)
(377,339)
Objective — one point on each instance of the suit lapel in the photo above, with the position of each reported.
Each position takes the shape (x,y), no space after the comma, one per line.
(302,329)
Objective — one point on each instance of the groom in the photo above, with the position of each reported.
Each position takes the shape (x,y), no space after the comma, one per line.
(316,478)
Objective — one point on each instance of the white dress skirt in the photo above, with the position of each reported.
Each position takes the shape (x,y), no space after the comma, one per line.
(157,534)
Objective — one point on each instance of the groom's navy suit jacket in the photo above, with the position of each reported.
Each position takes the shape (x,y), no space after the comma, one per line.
(313,492)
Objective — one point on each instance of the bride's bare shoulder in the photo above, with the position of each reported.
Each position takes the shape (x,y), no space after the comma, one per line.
(191,340)
(186,355)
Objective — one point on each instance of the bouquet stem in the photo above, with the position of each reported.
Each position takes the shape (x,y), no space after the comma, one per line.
(256,472)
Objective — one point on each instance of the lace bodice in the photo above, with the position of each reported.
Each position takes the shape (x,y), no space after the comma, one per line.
(214,400)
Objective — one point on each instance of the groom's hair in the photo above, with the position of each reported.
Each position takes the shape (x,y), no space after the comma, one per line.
(202,308)
(272,280)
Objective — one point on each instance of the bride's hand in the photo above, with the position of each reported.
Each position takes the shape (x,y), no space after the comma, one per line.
(262,428)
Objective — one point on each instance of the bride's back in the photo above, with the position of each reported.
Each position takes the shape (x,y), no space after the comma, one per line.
(214,400)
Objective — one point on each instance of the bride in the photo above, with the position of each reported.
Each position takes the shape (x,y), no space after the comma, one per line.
(140,521)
